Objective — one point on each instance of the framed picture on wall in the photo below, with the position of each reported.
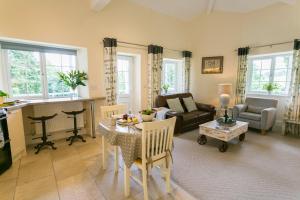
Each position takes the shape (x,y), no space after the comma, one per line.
(212,65)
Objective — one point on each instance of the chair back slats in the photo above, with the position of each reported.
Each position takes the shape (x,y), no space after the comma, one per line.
(108,111)
(157,139)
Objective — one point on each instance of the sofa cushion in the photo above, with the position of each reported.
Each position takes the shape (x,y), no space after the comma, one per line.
(254,109)
(251,116)
(189,104)
(194,115)
(175,105)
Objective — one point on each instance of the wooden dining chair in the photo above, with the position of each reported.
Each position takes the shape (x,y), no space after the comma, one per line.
(106,113)
(157,140)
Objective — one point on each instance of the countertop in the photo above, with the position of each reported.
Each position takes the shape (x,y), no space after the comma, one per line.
(49,101)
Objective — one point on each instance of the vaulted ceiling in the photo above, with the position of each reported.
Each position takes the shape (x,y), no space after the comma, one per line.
(187,9)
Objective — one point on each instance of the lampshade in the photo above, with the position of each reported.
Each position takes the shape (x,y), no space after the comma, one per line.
(225,88)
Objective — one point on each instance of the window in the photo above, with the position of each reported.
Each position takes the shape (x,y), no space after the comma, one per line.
(123,68)
(272,68)
(172,75)
(32,73)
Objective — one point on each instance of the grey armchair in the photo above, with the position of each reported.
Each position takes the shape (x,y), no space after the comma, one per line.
(259,113)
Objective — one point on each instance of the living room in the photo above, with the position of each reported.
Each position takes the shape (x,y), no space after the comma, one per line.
(233,65)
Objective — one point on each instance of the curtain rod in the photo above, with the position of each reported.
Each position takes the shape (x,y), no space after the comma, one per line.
(268,45)
(143,45)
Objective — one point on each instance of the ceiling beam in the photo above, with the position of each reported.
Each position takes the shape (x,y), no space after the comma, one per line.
(210,6)
(98,5)
(290,2)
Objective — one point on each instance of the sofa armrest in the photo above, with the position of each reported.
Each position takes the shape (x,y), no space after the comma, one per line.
(237,109)
(205,107)
(268,117)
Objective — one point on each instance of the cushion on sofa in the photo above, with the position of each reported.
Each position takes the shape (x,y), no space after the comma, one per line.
(254,109)
(175,105)
(189,104)
(251,116)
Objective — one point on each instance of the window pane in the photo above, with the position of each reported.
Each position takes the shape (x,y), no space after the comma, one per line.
(25,73)
(123,65)
(266,64)
(58,63)
(274,68)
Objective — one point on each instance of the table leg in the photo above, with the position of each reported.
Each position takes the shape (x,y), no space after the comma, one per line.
(126,180)
(92,107)
(116,149)
(104,152)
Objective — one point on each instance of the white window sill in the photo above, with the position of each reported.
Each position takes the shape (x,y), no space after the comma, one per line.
(267,95)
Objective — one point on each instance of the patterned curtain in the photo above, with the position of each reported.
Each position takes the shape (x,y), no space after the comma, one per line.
(110,70)
(187,66)
(292,115)
(155,60)
(242,75)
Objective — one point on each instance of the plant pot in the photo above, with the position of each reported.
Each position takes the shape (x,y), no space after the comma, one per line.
(148,118)
(1,100)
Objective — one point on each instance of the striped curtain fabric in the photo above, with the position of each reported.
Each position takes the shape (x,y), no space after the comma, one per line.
(292,115)
(187,68)
(240,91)
(110,70)
(155,61)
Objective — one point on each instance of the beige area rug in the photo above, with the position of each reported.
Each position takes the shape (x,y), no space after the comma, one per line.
(262,167)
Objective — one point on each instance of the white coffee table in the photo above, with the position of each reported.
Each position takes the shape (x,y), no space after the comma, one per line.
(213,130)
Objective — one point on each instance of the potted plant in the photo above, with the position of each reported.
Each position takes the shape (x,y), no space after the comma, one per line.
(73,79)
(147,115)
(270,87)
(2,96)
(165,87)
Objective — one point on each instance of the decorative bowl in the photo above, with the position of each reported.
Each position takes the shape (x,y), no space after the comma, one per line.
(229,123)
(148,118)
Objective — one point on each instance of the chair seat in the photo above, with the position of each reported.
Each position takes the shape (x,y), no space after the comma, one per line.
(251,116)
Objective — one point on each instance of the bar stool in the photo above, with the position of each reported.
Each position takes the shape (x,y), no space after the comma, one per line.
(75,129)
(44,138)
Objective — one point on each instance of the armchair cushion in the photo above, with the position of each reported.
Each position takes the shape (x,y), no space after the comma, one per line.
(254,109)
(189,104)
(251,116)
(237,109)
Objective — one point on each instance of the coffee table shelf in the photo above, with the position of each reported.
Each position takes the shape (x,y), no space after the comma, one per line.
(213,130)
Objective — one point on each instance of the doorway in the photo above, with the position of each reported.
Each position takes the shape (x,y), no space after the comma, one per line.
(128,81)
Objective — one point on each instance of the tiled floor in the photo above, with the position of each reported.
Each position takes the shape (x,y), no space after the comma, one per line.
(74,173)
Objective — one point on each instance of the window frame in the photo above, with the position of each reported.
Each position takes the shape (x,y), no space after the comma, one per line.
(271,56)
(44,81)
(179,82)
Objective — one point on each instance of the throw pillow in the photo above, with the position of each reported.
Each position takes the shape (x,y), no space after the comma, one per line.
(175,105)
(190,104)
(254,109)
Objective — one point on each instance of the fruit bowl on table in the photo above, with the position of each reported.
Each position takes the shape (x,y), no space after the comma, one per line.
(147,115)
(226,123)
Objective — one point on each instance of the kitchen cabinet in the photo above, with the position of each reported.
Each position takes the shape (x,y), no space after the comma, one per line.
(16,134)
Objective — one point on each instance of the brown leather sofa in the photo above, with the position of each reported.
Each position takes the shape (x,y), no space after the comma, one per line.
(188,120)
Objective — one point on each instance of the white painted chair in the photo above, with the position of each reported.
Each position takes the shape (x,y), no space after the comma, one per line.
(106,113)
(157,140)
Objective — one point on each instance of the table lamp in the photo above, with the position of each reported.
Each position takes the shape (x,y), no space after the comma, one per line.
(225,90)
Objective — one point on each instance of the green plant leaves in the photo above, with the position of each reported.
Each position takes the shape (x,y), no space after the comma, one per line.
(73,79)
